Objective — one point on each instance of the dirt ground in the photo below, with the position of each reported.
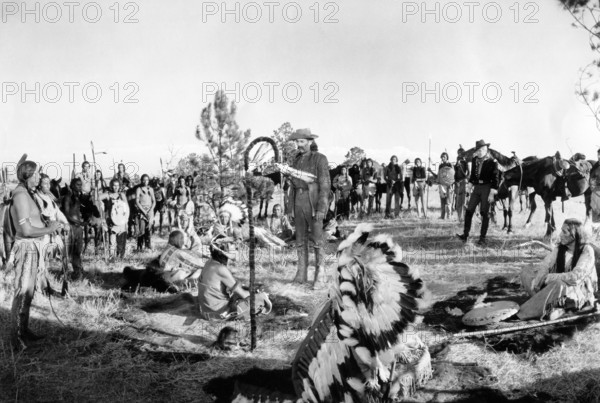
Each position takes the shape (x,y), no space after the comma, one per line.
(102,344)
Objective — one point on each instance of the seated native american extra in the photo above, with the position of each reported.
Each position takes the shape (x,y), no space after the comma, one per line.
(175,265)
(565,280)
(220,295)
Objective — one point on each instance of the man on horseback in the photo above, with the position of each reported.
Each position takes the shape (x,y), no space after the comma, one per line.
(485,178)
(309,203)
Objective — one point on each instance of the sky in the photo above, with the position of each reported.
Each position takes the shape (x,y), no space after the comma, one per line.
(386,76)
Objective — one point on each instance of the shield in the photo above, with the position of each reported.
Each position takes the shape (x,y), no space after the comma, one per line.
(446,176)
(490,313)
(119,212)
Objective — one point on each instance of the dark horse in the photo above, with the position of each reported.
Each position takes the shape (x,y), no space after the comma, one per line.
(546,176)
(265,187)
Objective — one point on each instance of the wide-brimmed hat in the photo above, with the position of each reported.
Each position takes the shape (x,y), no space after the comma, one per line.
(303,134)
(481,143)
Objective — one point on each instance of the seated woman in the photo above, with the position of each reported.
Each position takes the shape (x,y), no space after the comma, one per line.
(566,279)
(186,224)
(279,225)
(220,295)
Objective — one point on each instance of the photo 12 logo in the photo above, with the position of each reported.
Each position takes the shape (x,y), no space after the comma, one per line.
(70,11)
(70,92)
(64,170)
(273,91)
(270,11)
(470,92)
(469,11)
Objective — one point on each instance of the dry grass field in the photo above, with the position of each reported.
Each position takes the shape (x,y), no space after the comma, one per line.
(105,345)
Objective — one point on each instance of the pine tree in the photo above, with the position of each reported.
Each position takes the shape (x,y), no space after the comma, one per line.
(286,147)
(225,141)
(354,156)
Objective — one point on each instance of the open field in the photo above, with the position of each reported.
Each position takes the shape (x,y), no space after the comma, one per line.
(104,345)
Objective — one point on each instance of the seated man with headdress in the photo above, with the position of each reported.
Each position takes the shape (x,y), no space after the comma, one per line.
(220,295)
(230,216)
(566,279)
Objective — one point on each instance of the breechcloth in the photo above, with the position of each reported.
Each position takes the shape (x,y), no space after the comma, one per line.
(26,258)
(76,246)
(143,232)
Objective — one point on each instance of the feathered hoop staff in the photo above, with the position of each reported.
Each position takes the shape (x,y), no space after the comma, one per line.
(252,237)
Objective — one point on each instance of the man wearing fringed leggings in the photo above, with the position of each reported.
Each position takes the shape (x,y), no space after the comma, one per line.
(27,252)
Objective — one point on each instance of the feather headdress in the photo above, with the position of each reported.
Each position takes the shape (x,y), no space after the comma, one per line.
(237,210)
(360,346)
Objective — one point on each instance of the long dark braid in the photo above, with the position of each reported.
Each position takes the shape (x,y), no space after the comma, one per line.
(576,229)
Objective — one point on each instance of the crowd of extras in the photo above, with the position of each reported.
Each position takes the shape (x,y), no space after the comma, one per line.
(48,219)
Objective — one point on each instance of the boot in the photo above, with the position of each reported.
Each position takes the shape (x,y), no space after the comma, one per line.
(468,219)
(443,216)
(318,282)
(301,273)
(485,222)
(22,336)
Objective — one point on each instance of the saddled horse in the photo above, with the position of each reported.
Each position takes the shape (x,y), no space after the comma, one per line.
(506,190)
(546,176)
(265,187)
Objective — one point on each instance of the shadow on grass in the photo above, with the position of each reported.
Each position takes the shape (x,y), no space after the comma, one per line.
(524,342)
(73,364)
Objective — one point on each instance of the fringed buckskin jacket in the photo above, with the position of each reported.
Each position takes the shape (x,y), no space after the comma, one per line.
(315,163)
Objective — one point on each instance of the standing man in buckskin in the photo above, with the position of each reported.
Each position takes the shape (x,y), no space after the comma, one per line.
(27,254)
(485,178)
(309,203)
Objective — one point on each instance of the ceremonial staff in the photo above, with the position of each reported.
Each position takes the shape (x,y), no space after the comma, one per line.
(252,237)
(73,172)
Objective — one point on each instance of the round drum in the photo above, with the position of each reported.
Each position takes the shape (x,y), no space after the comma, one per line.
(446,176)
(490,313)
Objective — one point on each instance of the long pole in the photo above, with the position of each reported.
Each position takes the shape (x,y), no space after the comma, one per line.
(251,258)
(73,172)
(99,204)
(428,168)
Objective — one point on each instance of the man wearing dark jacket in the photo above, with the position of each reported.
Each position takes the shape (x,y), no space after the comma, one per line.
(309,202)
(485,178)
(461,178)
(393,179)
